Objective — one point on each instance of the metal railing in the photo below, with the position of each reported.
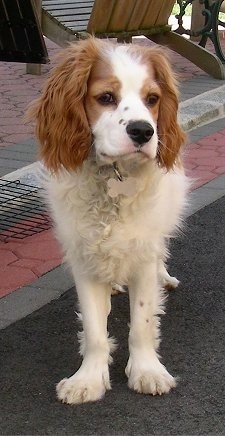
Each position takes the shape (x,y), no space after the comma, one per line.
(212,23)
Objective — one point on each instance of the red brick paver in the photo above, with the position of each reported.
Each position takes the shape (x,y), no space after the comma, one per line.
(17,90)
(22,261)
(205,160)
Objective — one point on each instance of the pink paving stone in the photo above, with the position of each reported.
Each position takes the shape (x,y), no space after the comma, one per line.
(21,92)
(191,146)
(23,106)
(27,260)
(9,81)
(209,147)
(14,119)
(7,108)
(47,266)
(212,141)
(189,165)
(219,170)
(201,172)
(18,86)
(38,267)
(200,182)
(6,258)
(15,129)
(4,100)
(31,264)
(6,113)
(13,278)
(12,139)
(211,153)
(23,98)
(214,162)
(199,178)
(46,235)
(221,151)
(206,168)
(38,249)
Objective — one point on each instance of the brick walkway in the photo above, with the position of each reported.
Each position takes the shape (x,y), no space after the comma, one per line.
(23,261)
(205,159)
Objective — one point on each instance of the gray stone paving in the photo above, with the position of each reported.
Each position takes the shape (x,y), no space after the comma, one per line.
(190,88)
(17,156)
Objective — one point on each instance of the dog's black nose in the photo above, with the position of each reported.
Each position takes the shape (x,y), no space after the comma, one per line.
(140,132)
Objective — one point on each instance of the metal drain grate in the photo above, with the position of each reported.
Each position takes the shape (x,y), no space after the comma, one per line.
(22,211)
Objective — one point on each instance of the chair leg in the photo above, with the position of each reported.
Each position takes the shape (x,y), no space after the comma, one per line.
(33,69)
(201,57)
(126,40)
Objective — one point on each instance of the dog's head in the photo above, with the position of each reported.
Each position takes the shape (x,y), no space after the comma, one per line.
(119,99)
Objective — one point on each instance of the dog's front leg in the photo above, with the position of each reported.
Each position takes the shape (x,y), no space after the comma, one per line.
(91,380)
(144,371)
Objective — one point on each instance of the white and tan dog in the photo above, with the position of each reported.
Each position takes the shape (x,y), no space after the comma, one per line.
(107,124)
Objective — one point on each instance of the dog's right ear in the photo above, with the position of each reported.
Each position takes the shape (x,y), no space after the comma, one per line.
(61,123)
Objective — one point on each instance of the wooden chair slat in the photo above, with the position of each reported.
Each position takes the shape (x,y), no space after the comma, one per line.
(71,13)
(138,15)
(100,16)
(58,8)
(46,3)
(120,16)
(165,11)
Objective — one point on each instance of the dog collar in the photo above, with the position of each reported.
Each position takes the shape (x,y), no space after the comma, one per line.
(117,172)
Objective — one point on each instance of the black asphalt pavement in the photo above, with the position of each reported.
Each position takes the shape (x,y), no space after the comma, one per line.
(42,348)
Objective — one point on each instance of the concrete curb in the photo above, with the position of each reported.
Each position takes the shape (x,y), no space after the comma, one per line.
(27,174)
(202,109)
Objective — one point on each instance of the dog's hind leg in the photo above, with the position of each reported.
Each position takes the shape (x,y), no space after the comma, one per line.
(91,380)
(168,282)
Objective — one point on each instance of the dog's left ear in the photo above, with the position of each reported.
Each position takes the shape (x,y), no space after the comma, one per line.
(61,123)
(171,135)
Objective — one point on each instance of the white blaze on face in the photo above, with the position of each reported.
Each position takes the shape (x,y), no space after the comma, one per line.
(111,138)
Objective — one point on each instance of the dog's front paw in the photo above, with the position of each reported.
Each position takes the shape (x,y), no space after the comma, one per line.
(81,388)
(151,378)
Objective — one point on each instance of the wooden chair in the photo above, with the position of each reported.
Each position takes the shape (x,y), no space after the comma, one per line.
(70,20)
(74,19)
(21,38)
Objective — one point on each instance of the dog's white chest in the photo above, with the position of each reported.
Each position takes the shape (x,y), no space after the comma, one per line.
(127,187)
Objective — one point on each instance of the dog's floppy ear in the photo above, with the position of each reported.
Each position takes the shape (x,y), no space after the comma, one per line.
(62,127)
(171,135)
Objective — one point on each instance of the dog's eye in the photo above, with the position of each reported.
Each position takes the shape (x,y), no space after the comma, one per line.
(106,98)
(152,99)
